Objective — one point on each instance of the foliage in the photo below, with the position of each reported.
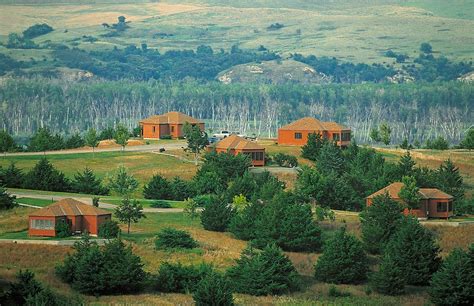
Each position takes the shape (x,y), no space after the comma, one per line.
(108,270)
(92,139)
(158,188)
(438,144)
(426,48)
(121,136)
(62,229)
(107,133)
(343,261)
(415,251)
(244,185)
(405,166)
(37,30)
(43,176)
(43,140)
(196,139)
(160,204)
(95,201)
(181,189)
(375,135)
(7,144)
(180,279)
(12,176)
(26,287)
(323,213)
(129,211)
(208,183)
(109,229)
(334,292)
(468,140)
(409,192)
(123,183)
(16,41)
(86,182)
(464,207)
(7,201)
(191,208)
(239,202)
(330,159)
(75,141)
(243,224)
(170,238)
(216,215)
(285,160)
(379,222)
(453,283)
(313,146)
(385,133)
(389,279)
(449,180)
(213,290)
(263,272)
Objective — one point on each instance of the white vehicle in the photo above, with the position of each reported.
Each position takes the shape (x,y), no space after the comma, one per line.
(222,134)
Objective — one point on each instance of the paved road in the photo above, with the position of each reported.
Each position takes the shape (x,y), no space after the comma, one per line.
(139,148)
(87,200)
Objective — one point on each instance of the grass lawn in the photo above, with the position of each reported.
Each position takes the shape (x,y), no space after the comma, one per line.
(145,203)
(35,202)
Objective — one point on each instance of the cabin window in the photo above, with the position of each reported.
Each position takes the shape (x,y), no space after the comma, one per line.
(335,137)
(172,129)
(42,224)
(442,207)
(298,136)
(346,136)
(256,155)
(154,129)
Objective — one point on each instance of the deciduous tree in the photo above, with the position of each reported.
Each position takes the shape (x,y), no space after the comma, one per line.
(129,211)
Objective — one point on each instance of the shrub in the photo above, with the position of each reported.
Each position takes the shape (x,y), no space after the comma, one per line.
(37,30)
(170,238)
(334,292)
(165,137)
(7,201)
(343,261)
(453,283)
(62,229)
(213,290)
(158,188)
(160,204)
(95,201)
(109,229)
(438,144)
(264,272)
(285,160)
(181,189)
(178,278)
(216,215)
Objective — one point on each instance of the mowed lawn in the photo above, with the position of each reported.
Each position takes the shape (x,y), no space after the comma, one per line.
(143,165)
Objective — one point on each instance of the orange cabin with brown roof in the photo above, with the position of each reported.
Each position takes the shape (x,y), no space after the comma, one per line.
(296,133)
(80,217)
(434,203)
(238,145)
(167,125)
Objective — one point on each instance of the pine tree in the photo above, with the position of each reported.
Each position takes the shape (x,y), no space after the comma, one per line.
(379,222)
(123,183)
(312,147)
(343,261)
(409,193)
(181,189)
(263,272)
(330,159)
(375,135)
(450,180)
(7,201)
(406,166)
(44,176)
(216,215)
(385,133)
(468,141)
(7,143)
(12,176)
(415,250)
(389,279)
(453,283)
(87,182)
(158,188)
(213,290)
(243,223)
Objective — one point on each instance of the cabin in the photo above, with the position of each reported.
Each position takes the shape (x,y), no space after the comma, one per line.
(296,133)
(434,203)
(80,217)
(234,144)
(169,125)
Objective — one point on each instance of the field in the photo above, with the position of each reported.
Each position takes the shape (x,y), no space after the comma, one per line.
(349,30)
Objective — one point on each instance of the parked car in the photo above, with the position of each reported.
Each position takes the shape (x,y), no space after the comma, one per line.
(221,134)
(212,139)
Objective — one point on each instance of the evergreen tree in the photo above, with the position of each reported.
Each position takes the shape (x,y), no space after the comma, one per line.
(264,272)
(406,166)
(216,215)
(87,182)
(330,159)
(44,176)
(312,147)
(453,283)
(379,222)
(409,192)
(415,251)
(343,261)
(385,133)
(450,180)
(181,189)
(123,183)
(92,139)
(27,286)
(404,144)
(170,238)
(75,141)
(213,290)
(41,141)
(389,279)
(121,136)
(244,185)
(243,223)
(12,176)
(7,144)
(208,183)
(197,139)
(129,211)
(7,201)
(158,188)
(375,135)
(468,141)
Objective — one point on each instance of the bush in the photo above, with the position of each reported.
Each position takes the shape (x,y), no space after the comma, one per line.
(160,204)
(181,189)
(464,207)
(285,160)
(264,272)
(343,261)
(165,137)
(334,292)
(453,283)
(216,215)
(438,144)
(178,278)
(109,229)
(213,290)
(158,188)
(62,229)
(7,201)
(170,238)
(37,30)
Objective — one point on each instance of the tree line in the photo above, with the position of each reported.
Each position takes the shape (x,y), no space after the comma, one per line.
(413,111)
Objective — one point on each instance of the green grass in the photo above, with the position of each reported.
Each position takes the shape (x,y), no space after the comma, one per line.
(144,202)
(35,202)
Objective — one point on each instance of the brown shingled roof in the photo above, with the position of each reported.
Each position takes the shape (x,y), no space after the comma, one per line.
(425,193)
(171,117)
(238,143)
(313,124)
(69,207)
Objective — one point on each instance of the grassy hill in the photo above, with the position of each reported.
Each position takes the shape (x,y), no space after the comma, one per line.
(352,30)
